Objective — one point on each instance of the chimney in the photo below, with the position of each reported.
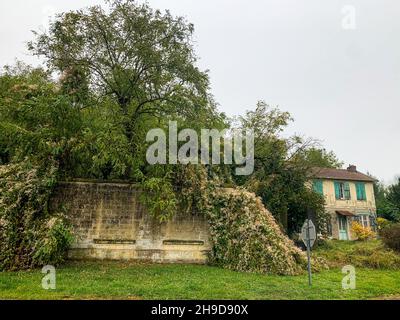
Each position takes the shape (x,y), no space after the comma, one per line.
(352,168)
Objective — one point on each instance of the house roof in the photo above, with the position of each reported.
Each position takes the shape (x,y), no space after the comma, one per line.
(340,174)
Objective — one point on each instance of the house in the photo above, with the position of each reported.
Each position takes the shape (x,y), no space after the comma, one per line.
(349,196)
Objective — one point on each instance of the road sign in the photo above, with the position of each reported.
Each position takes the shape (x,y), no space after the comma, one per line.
(308,235)
(312,233)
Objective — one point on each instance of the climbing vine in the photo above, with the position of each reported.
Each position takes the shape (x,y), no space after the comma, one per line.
(30,234)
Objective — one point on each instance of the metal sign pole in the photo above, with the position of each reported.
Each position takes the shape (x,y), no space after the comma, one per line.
(309,236)
(309,253)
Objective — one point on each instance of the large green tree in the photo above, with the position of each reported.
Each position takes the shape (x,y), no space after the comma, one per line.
(139,57)
(137,66)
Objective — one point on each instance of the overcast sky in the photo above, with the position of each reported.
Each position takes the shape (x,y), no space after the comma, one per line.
(339,78)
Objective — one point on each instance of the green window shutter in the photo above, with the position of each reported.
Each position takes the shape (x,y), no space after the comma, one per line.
(321,187)
(337,190)
(358,191)
(315,185)
(347,191)
(361,194)
(318,186)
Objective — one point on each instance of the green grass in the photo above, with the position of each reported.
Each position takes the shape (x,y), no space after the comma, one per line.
(377,275)
(115,280)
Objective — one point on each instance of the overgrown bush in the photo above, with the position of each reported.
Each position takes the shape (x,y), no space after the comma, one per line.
(243,233)
(365,254)
(30,235)
(245,236)
(391,237)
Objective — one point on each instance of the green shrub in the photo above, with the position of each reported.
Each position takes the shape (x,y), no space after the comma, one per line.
(391,237)
(53,246)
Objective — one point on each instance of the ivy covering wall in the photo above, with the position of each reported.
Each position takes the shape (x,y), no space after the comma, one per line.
(30,234)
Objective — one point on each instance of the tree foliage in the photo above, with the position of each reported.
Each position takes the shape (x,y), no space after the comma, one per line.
(320,157)
(282,167)
(388,201)
(140,58)
(36,120)
(393,194)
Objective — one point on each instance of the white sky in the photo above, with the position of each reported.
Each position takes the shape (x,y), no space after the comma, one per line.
(341,86)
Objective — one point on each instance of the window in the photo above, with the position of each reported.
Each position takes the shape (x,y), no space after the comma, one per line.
(342,190)
(318,186)
(362,219)
(360,188)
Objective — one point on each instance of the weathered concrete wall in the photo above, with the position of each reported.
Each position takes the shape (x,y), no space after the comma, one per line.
(110,223)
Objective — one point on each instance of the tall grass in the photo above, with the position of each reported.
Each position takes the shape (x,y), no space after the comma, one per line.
(367,254)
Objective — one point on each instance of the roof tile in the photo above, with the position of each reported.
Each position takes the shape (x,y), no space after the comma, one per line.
(340,174)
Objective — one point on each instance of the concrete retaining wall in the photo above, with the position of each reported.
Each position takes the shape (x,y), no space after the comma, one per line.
(110,223)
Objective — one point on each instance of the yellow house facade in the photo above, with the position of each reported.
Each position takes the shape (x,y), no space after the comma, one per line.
(349,196)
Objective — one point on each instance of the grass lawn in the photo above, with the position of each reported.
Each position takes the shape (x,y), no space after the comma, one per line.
(116,280)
